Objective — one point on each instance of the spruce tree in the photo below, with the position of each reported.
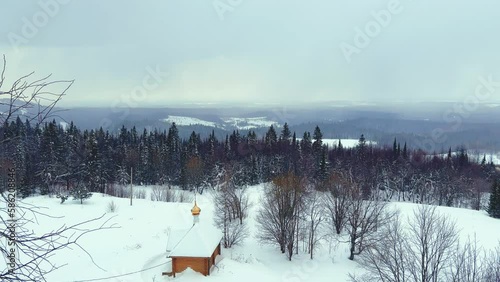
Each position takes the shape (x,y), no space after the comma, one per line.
(317,150)
(318,142)
(285,133)
(494,204)
(271,138)
(340,148)
(81,192)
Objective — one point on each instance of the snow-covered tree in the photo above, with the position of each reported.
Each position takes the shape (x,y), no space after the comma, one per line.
(494,203)
(81,192)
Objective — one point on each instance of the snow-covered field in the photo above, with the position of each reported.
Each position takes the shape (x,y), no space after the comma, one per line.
(477,156)
(490,157)
(186,121)
(230,122)
(249,123)
(140,243)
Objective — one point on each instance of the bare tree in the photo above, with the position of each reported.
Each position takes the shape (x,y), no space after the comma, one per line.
(34,251)
(478,188)
(386,259)
(315,215)
(194,171)
(231,207)
(30,253)
(467,263)
(363,221)
(339,186)
(422,252)
(279,216)
(33,98)
(432,237)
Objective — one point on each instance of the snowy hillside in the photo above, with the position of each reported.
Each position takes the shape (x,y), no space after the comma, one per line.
(139,244)
(223,123)
(186,121)
(477,156)
(249,123)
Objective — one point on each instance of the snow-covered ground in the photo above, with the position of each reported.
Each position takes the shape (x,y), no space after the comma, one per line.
(249,123)
(186,121)
(490,157)
(477,156)
(230,122)
(141,239)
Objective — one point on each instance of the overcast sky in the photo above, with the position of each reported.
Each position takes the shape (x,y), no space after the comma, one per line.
(254,51)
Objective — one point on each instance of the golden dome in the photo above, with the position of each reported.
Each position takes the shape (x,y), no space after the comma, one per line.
(195,210)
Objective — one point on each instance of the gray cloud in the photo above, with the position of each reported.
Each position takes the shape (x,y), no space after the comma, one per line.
(261,51)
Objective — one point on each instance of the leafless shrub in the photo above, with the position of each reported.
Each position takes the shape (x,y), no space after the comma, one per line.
(183,196)
(492,265)
(112,207)
(168,194)
(140,194)
(163,193)
(118,190)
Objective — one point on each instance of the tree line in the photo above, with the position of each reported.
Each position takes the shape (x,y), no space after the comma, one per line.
(50,158)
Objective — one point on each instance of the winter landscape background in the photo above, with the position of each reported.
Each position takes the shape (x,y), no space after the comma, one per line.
(327,140)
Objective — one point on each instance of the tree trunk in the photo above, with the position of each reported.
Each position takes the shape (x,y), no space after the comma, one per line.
(311,239)
(353,246)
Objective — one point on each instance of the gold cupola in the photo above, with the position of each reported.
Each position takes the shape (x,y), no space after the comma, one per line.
(195,210)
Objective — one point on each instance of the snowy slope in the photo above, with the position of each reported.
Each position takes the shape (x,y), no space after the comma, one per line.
(476,156)
(225,123)
(186,121)
(140,243)
(249,123)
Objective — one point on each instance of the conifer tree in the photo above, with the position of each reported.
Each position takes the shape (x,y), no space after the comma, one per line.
(285,133)
(395,148)
(318,142)
(494,204)
(81,192)
(271,138)
(340,148)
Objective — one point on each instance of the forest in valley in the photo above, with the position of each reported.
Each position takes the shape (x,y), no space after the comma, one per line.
(51,159)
